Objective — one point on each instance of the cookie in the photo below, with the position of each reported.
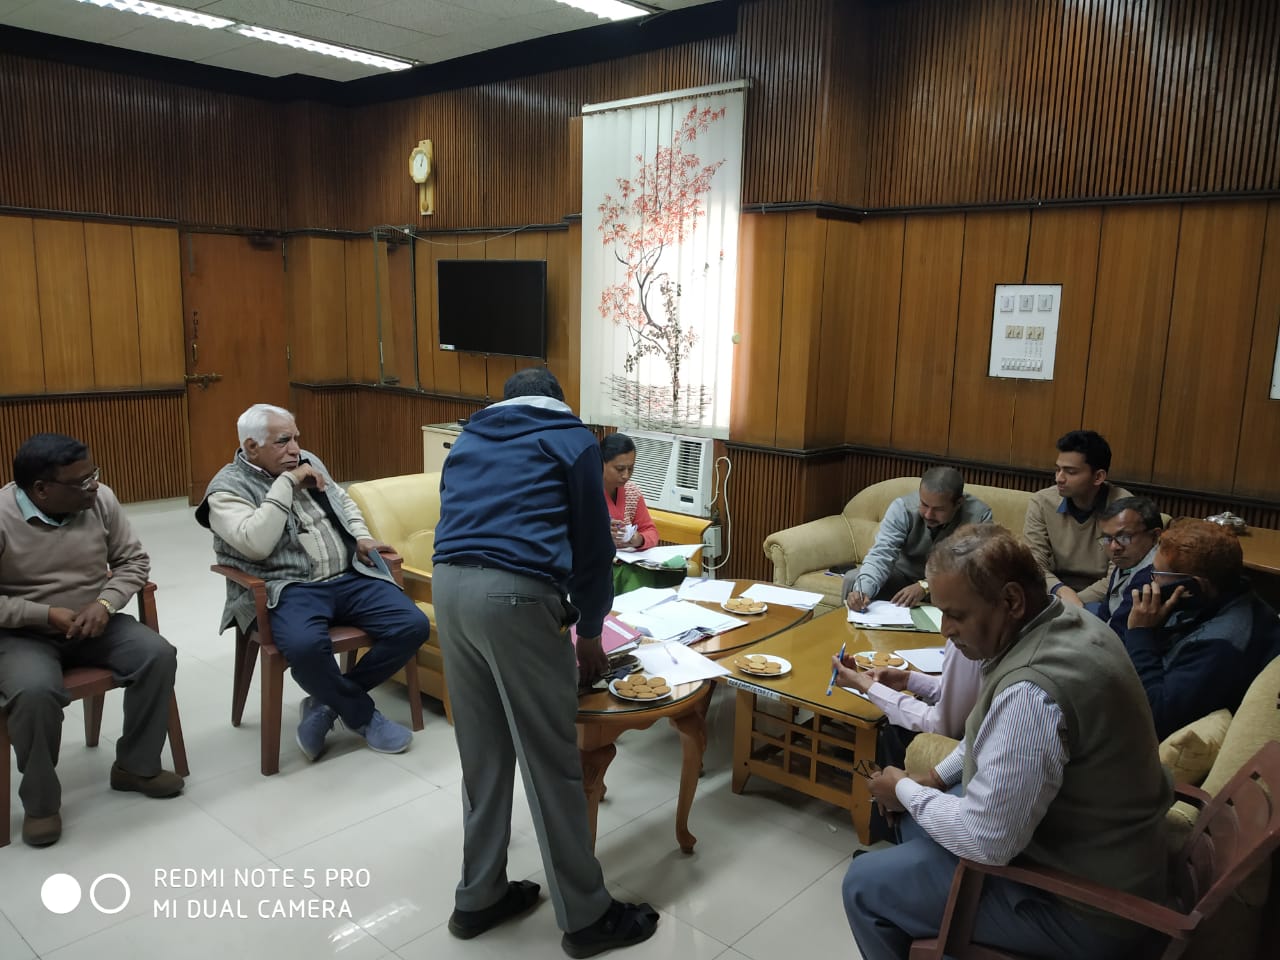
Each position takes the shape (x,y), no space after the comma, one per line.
(657,681)
(661,691)
(744,605)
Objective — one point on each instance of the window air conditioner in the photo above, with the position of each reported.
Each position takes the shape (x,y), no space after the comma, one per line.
(674,472)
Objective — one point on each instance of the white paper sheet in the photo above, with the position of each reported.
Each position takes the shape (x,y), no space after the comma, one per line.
(642,598)
(677,617)
(855,691)
(709,591)
(926,659)
(769,593)
(932,614)
(676,663)
(659,555)
(882,613)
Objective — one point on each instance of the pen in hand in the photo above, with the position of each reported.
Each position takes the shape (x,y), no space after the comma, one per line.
(835,670)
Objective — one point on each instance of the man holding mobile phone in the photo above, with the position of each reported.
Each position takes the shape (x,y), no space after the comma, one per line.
(1198,633)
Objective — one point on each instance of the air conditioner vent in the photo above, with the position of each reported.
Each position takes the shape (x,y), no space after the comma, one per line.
(673,472)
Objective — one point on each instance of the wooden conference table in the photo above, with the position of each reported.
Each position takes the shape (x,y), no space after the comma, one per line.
(822,746)
(602,717)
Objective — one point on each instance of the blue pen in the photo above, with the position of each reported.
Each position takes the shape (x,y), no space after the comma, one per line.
(836,669)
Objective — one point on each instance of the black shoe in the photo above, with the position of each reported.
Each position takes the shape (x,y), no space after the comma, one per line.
(521,896)
(623,925)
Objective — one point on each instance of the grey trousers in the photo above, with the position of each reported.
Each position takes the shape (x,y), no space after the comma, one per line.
(513,685)
(32,695)
(898,894)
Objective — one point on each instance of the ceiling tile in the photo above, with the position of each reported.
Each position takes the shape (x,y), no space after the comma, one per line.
(436,49)
(67,18)
(433,17)
(176,40)
(279,61)
(9,6)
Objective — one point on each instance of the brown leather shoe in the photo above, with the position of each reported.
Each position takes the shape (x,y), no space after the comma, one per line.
(163,784)
(41,831)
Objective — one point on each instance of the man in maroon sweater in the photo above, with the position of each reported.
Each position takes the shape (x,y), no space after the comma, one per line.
(68,563)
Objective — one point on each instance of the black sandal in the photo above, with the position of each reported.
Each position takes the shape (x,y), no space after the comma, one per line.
(520,897)
(623,925)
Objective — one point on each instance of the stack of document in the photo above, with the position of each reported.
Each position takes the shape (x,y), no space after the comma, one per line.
(659,556)
(883,615)
(707,591)
(679,619)
(768,593)
(616,637)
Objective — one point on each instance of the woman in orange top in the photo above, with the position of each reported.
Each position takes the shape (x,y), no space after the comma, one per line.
(626,502)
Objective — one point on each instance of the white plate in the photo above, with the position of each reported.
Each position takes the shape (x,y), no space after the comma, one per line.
(743,613)
(786,666)
(613,688)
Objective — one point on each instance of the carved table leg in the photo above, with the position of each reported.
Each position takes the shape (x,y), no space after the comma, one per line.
(692,727)
(594,764)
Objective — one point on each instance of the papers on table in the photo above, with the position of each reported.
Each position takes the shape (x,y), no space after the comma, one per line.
(676,663)
(768,593)
(676,618)
(883,615)
(856,692)
(658,556)
(924,659)
(708,591)
(616,637)
(642,598)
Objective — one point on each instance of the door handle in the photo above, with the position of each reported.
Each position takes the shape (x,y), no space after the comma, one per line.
(203,379)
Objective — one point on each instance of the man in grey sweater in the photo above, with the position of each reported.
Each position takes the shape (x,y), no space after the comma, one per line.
(894,566)
(68,563)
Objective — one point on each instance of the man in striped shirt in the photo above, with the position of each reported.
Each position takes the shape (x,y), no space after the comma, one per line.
(1058,765)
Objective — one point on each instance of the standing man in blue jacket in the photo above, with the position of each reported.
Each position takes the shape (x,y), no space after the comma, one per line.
(522,551)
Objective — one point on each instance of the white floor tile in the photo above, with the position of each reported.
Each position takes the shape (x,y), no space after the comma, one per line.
(12,946)
(818,910)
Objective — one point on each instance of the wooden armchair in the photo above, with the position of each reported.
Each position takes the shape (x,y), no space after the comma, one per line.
(257,644)
(1235,833)
(91,684)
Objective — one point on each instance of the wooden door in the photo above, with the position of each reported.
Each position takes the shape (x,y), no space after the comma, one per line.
(234,323)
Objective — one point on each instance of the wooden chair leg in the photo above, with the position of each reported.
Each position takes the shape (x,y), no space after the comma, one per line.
(177,745)
(242,675)
(272,697)
(93,718)
(349,660)
(413,685)
(5,747)
(448,705)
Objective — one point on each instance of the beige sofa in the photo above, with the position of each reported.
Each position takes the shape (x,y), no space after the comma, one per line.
(802,555)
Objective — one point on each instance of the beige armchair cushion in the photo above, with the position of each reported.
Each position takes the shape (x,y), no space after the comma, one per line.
(403,512)
(1189,753)
(926,751)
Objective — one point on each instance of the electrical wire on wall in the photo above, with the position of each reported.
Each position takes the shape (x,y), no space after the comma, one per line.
(726,528)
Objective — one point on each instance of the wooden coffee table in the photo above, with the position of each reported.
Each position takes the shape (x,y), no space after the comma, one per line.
(822,746)
(602,717)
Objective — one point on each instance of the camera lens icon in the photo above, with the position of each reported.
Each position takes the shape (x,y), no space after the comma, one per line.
(61,893)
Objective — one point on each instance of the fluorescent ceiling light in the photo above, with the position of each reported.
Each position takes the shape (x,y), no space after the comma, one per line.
(607,9)
(162,12)
(317,46)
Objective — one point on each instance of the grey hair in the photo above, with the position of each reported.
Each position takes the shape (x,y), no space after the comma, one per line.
(252,424)
(944,480)
(1146,510)
(988,556)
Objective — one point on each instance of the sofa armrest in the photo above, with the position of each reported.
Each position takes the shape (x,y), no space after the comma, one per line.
(417,583)
(811,546)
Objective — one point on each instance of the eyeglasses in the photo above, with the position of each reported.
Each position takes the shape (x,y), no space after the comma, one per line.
(1172,577)
(1124,539)
(84,484)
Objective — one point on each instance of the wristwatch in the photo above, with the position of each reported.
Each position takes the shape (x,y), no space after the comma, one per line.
(107,603)
(923,585)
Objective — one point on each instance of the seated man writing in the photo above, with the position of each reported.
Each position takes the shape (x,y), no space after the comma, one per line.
(276,514)
(893,568)
(1058,765)
(1129,528)
(1198,634)
(68,563)
(1061,526)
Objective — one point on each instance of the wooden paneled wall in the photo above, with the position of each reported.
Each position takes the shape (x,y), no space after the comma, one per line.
(88,306)
(981,101)
(139,440)
(89,141)
(362,433)
(878,333)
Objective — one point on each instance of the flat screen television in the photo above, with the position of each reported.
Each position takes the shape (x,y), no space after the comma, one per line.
(493,306)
